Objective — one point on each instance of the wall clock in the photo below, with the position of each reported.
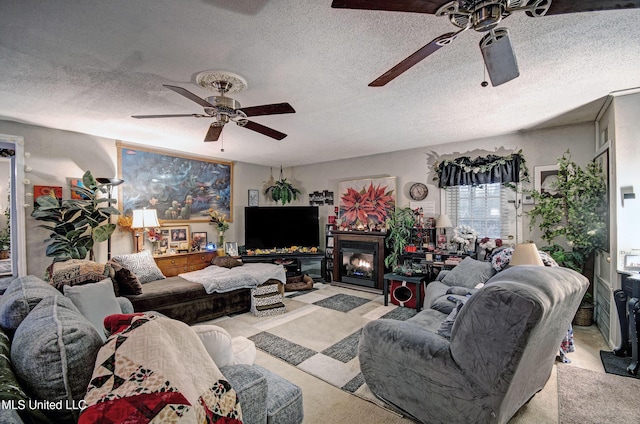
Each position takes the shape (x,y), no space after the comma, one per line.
(418,191)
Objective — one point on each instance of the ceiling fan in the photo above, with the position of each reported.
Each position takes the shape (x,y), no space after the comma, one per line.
(482,16)
(224,109)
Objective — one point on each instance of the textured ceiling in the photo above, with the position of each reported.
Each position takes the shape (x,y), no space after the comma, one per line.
(87,66)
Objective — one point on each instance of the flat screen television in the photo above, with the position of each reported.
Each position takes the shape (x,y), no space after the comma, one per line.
(268,227)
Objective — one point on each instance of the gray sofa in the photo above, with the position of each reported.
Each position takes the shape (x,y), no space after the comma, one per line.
(501,349)
(48,351)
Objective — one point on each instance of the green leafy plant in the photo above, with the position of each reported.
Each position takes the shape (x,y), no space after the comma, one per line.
(577,212)
(400,226)
(5,233)
(282,191)
(76,224)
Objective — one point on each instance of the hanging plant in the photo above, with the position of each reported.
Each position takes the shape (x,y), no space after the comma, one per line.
(282,191)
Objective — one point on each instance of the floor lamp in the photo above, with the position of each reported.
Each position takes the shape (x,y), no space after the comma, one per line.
(143,219)
(110,183)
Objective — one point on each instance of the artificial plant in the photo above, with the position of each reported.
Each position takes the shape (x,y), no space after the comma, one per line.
(576,212)
(76,224)
(400,225)
(282,191)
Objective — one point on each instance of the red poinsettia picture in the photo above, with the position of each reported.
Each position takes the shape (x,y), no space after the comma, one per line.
(366,204)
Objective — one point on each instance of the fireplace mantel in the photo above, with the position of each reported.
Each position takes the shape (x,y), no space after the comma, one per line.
(375,238)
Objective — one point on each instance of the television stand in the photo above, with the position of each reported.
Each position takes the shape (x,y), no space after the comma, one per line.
(294,263)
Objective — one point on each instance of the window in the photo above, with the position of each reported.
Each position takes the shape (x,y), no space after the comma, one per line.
(485,208)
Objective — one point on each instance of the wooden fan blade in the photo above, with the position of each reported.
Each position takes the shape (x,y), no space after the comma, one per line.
(272,109)
(412,60)
(189,95)
(214,133)
(181,115)
(269,132)
(417,6)
(571,6)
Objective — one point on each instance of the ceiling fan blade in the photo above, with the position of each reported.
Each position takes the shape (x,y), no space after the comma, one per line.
(499,57)
(189,95)
(214,132)
(273,109)
(417,6)
(571,6)
(181,115)
(412,60)
(269,132)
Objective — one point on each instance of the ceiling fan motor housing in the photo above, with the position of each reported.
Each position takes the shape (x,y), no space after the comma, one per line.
(225,105)
(487,15)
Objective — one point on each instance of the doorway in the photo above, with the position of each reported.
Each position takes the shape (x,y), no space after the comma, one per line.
(12,186)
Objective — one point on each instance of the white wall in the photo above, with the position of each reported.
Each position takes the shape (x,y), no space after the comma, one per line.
(59,155)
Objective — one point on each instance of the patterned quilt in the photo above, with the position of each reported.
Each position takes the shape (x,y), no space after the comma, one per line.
(153,369)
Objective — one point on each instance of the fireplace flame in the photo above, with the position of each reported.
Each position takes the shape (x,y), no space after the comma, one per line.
(363,264)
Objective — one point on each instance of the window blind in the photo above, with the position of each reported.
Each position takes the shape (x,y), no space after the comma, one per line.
(485,208)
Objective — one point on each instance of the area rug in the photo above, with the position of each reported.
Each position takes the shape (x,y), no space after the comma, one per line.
(586,396)
(321,336)
(615,364)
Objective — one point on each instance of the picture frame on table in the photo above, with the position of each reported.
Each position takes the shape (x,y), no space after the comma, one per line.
(254,197)
(231,248)
(179,235)
(199,238)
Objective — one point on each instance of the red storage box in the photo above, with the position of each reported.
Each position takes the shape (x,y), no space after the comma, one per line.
(405,293)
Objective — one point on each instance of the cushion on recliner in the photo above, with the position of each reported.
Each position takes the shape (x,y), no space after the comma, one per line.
(53,352)
(469,273)
(22,295)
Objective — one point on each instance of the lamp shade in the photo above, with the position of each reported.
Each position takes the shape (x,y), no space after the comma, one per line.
(526,254)
(145,218)
(443,221)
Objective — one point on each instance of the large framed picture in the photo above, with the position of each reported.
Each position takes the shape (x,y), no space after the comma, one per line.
(181,188)
(366,203)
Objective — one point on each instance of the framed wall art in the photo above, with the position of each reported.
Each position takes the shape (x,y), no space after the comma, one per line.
(545,178)
(181,188)
(40,190)
(366,203)
(254,197)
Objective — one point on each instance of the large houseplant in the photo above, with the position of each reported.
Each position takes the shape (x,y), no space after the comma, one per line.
(576,214)
(400,225)
(76,224)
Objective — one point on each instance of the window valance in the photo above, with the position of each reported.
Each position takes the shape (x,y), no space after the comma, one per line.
(482,170)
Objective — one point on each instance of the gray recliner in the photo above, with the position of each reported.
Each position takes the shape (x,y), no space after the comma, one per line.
(501,351)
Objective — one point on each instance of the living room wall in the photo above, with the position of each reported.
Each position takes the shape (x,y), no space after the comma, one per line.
(58,155)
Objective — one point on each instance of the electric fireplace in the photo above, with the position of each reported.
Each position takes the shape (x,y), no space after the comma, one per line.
(359,258)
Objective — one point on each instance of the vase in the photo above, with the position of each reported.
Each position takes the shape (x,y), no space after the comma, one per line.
(220,245)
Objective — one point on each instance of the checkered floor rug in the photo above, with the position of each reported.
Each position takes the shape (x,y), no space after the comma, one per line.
(321,335)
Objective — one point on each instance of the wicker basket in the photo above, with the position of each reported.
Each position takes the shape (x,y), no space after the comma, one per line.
(584,316)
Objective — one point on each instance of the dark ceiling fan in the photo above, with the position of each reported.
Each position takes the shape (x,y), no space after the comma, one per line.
(482,16)
(224,109)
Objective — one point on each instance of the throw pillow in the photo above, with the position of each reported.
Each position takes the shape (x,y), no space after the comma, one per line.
(126,281)
(10,389)
(142,265)
(469,273)
(73,272)
(226,261)
(53,352)
(217,342)
(22,295)
(501,259)
(95,301)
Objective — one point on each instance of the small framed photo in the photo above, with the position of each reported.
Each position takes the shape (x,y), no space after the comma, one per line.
(231,248)
(545,179)
(254,197)
(178,235)
(199,239)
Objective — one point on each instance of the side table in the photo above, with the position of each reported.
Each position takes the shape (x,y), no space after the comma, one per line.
(408,293)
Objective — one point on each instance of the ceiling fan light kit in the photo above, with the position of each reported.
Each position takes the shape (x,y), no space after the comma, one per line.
(481,16)
(224,109)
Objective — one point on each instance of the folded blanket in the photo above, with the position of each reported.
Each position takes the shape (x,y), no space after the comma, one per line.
(221,280)
(156,369)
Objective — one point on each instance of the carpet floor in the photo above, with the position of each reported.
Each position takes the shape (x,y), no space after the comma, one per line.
(586,396)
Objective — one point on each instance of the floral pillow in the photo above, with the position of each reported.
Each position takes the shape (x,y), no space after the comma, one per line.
(502,257)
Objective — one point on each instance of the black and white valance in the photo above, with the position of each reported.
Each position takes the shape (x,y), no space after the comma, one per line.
(482,170)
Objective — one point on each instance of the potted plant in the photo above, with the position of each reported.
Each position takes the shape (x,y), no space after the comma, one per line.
(576,213)
(76,224)
(282,190)
(400,227)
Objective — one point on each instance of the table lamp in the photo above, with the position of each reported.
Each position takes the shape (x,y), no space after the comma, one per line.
(143,219)
(443,222)
(525,254)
